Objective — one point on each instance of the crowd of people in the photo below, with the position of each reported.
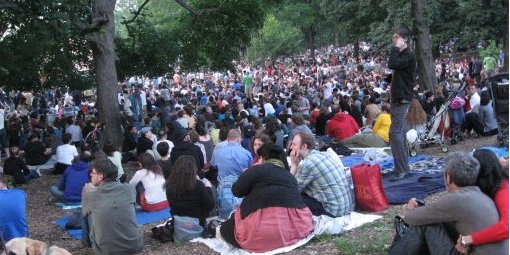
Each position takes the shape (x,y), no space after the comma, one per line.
(202,140)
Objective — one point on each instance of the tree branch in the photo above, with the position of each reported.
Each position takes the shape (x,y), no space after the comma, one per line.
(96,24)
(136,13)
(186,6)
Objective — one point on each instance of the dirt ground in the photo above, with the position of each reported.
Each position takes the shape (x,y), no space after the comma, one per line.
(42,213)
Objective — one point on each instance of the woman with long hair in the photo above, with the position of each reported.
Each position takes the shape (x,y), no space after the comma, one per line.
(274,131)
(416,117)
(149,182)
(256,142)
(188,195)
(265,221)
(493,181)
(113,154)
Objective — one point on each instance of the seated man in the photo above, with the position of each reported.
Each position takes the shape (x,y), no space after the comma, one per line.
(36,152)
(13,218)
(323,184)
(108,208)
(74,179)
(436,226)
(16,167)
(232,158)
(342,125)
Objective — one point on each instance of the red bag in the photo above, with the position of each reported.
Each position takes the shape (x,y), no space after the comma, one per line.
(367,181)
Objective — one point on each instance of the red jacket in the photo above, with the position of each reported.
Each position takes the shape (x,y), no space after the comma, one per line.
(342,126)
(498,231)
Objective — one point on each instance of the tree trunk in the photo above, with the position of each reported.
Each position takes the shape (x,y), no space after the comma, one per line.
(505,47)
(337,35)
(106,75)
(423,42)
(311,42)
(356,51)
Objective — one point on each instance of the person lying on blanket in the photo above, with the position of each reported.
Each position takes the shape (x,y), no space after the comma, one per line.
(493,181)
(434,227)
(272,214)
(324,186)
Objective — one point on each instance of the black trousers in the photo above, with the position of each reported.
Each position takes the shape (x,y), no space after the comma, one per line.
(60,168)
(227,230)
(431,239)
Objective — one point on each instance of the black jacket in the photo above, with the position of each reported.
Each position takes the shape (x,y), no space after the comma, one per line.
(403,65)
(143,145)
(187,148)
(267,185)
(195,204)
(16,168)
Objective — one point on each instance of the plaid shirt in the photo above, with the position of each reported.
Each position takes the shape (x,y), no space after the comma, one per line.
(323,179)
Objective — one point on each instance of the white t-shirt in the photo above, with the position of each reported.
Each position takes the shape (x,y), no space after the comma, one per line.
(153,185)
(66,154)
(268,109)
(75,132)
(474,100)
(155,148)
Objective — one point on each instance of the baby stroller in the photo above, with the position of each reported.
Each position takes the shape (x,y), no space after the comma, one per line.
(438,129)
(498,87)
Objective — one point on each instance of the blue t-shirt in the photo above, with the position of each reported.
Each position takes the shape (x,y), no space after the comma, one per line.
(13,218)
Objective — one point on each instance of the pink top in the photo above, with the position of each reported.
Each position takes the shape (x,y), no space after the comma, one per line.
(272,228)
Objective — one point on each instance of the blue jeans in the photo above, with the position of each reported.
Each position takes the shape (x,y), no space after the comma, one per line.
(398,142)
(57,193)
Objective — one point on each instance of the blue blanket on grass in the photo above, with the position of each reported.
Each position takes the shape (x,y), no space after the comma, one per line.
(142,218)
(418,185)
(356,159)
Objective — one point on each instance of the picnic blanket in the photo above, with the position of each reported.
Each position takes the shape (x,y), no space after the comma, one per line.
(142,218)
(386,165)
(418,185)
(322,225)
(68,206)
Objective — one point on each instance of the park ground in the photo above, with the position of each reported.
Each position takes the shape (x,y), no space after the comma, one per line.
(370,239)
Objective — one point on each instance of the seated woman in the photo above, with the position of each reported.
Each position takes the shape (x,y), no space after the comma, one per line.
(493,181)
(264,222)
(149,182)
(257,141)
(484,123)
(188,195)
(380,135)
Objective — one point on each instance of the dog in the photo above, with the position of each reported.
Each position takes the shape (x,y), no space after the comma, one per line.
(27,246)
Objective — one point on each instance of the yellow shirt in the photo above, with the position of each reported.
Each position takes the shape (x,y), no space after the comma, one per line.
(382,126)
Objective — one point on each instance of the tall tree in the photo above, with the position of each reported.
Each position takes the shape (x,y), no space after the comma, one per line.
(423,45)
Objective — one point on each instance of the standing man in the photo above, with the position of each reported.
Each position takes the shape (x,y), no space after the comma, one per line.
(403,62)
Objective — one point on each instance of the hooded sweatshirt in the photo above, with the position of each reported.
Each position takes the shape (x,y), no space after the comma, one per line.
(73,180)
(342,126)
(187,148)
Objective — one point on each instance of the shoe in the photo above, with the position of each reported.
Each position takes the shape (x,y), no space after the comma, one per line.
(399,176)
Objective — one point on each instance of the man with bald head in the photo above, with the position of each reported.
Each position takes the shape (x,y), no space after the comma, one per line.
(231,158)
